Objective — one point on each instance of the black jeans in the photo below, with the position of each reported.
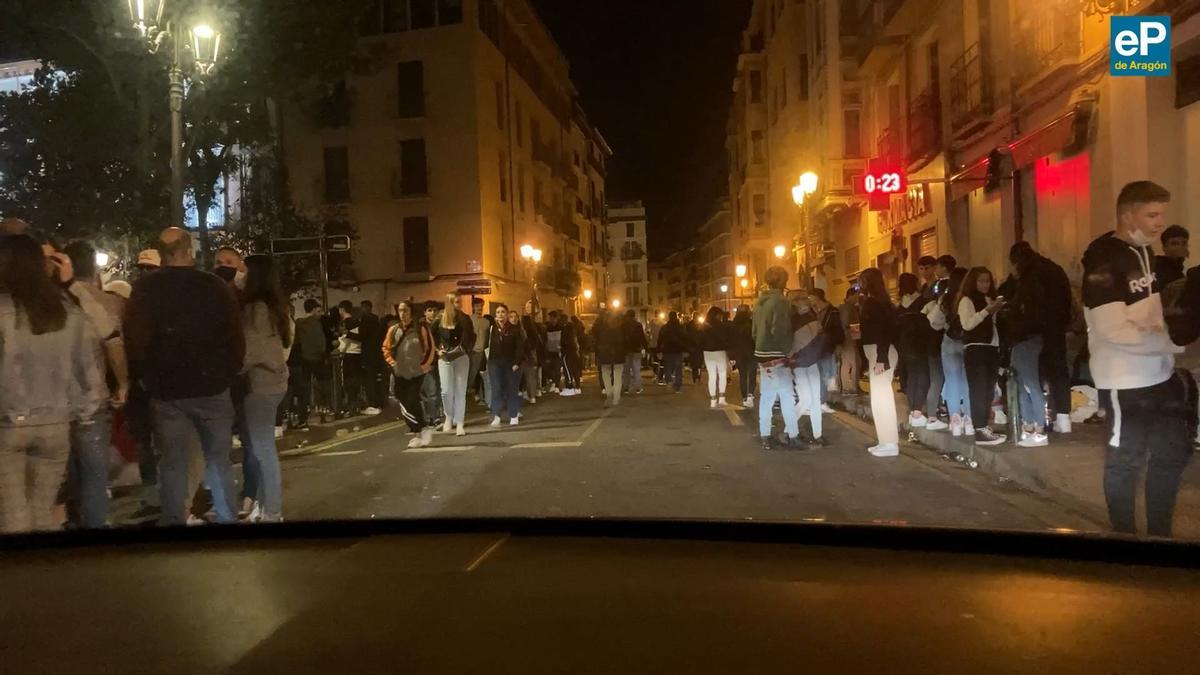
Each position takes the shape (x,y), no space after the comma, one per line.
(375,381)
(572,369)
(1053,364)
(916,383)
(408,393)
(352,380)
(747,369)
(983,368)
(1147,426)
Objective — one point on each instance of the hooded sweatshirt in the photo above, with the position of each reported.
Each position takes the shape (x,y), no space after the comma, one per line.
(1127,336)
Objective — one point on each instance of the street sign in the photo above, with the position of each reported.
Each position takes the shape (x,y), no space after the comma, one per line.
(474,286)
(474,267)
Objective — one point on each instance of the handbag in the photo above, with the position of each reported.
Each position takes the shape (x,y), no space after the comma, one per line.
(454,354)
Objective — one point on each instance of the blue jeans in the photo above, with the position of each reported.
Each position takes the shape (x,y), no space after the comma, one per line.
(506,385)
(633,373)
(87,469)
(177,423)
(1025,358)
(673,370)
(827,366)
(954,389)
(775,383)
(263,481)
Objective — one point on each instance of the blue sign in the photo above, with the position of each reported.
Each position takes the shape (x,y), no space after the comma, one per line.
(1139,46)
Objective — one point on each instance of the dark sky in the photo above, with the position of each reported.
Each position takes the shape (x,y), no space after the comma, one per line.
(655,77)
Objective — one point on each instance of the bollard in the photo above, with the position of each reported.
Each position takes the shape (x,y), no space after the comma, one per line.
(1012,398)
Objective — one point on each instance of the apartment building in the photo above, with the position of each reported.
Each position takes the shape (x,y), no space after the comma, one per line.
(660,288)
(460,147)
(629,285)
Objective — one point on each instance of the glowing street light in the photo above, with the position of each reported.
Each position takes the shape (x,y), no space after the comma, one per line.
(662,315)
(808,182)
(101,259)
(780,251)
(745,284)
(740,270)
(724,288)
(537,255)
(616,304)
(206,47)
(587,294)
(527,251)
(797,195)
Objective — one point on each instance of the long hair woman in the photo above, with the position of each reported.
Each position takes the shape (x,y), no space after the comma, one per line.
(49,377)
(408,349)
(507,350)
(878,324)
(914,348)
(455,338)
(269,333)
(954,387)
(715,343)
(977,306)
(807,350)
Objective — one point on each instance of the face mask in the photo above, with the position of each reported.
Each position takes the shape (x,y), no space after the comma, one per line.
(226,273)
(1139,238)
(239,280)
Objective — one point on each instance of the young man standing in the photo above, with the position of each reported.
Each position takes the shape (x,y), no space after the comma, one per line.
(772,346)
(481,326)
(1168,267)
(1132,363)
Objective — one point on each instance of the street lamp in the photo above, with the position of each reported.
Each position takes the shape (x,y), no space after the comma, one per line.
(800,192)
(616,304)
(532,257)
(808,182)
(780,251)
(740,270)
(102,259)
(205,44)
(728,301)
(745,284)
(587,294)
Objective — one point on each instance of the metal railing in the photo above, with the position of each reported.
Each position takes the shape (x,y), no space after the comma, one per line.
(970,87)
(1051,38)
(924,125)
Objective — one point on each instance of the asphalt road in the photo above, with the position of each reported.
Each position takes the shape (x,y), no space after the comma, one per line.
(656,455)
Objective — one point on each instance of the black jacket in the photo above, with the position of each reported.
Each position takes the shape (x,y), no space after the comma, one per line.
(878,325)
(1167,269)
(831,329)
(610,343)
(507,344)
(673,340)
(370,329)
(913,327)
(716,337)
(462,335)
(635,336)
(741,336)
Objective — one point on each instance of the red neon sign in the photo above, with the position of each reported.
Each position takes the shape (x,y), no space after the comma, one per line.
(884,178)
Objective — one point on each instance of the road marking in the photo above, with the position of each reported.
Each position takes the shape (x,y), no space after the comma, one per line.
(446,448)
(561,444)
(592,427)
(342,453)
(486,553)
(314,449)
(734,418)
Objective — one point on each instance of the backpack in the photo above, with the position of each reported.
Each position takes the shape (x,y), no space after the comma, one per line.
(408,352)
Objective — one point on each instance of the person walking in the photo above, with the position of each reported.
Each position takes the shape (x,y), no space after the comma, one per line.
(695,354)
(914,344)
(481,326)
(609,336)
(408,350)
(943,317)
(833,335)
(572,362)
(183,336)
(635,346)
(553,361)
(715,342)
(772,347)
(455,338)
(269,332)
(879,335)
(49,378)
(370,328)
(585,345)
(977,308)
(431,389)
(1133,364)
(741,345)
(653,328)
(807,349)
(506,350)
(1168,267)
(672,341)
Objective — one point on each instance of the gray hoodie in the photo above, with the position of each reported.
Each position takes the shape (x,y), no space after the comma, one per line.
(51,378)
(266,358)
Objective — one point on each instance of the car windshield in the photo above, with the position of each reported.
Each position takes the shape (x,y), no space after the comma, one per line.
(893,262)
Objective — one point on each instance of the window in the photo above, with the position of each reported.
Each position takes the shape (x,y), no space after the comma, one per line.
(803,75)
(337,176)
(756,86)
(757,144)
(395,16)
(537,195)
(760,210)
(853,132)
(500,105)
(422,14)
(503,177)
(410,89)
(520,126)
(449,12)
(633,296)
(851,260)
(414,179)
(632,272)
(416,244)
(630,230)
(521,187)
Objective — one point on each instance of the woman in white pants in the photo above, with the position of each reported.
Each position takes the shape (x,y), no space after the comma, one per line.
(714,341)
(879,334)
(454,337)
(807,350)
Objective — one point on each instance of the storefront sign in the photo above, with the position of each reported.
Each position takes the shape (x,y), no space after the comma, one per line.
(884,178)
(905,208)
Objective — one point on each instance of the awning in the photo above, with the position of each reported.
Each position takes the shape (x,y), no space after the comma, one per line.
(1047,140)
(969,179)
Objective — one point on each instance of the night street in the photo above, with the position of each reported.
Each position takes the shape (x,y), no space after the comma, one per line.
(657,455)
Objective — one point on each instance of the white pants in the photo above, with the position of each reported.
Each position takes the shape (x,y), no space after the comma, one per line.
(717,365)
(807,382)
(454,387)
(610,379)
(883,397)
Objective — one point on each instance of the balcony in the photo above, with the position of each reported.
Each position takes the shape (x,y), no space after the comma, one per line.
(632,251)
(1052,46)
(890,144)
(924,127)
(971,102)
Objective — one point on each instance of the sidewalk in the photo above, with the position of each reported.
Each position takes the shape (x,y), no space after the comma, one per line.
(1070,470)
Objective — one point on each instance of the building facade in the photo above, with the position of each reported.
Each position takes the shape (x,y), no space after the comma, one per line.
(459,147)
(1001,115)
(629,282)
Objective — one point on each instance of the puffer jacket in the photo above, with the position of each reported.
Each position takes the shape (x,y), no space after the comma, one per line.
(50,378)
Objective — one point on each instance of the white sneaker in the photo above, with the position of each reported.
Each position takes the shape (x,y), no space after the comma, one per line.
(495,421)
(956,425)
(934,424)
(999,416)
(826,409)
(1062,424)
(415,441)
(885,450)
(447,426)
(248,506)
(425,438)
(712,403)
(533,400)
(460,431)
(750,401)
(278,432)
(371,411)
(256,516)
(917,421)
(514,421)
(721,401)
(1033,439)
(193,521)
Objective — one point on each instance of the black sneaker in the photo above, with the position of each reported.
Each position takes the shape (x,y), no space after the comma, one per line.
(796,443)
(767,443)
(986,436)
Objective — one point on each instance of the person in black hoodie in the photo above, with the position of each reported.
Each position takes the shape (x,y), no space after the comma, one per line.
(1133,364)
(608,335)
(1053,300)
(742,352)
(635,346)
(673,343)
(914,349)
(878,330)
(715,341)
(1023,325)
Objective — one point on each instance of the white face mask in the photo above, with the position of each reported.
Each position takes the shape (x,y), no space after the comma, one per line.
(239,280)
